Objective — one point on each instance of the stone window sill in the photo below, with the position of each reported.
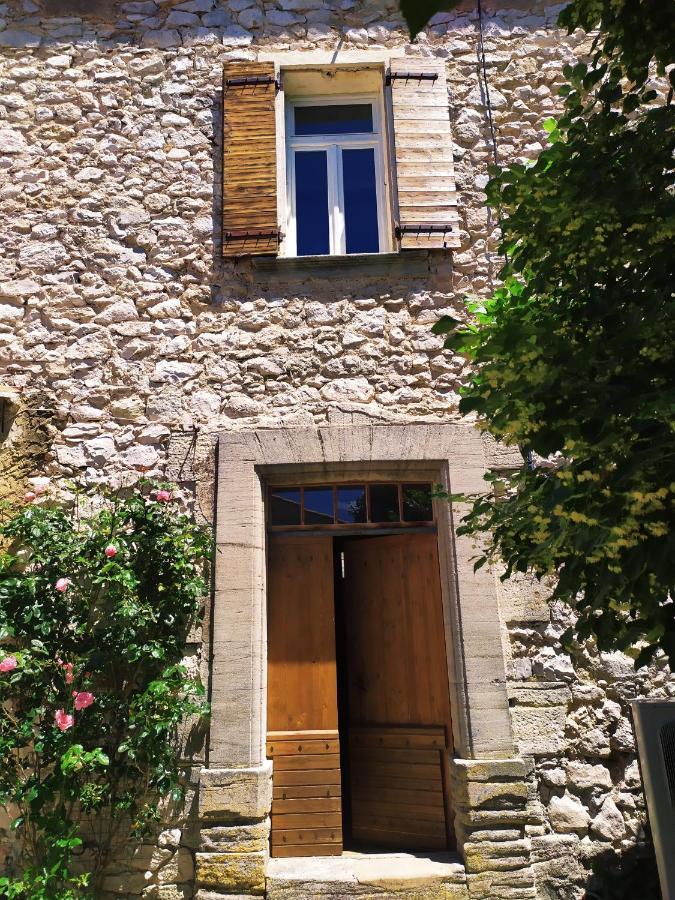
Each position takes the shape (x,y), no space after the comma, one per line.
(408,262)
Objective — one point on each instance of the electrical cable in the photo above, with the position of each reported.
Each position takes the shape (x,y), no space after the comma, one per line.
(486,83)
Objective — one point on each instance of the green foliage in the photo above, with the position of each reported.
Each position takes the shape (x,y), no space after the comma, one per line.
(418,12)
(93,689)
(574,357)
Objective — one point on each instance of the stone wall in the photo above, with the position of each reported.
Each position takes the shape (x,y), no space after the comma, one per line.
(142,344)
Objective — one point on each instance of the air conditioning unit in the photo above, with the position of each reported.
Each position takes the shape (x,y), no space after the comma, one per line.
(654,722)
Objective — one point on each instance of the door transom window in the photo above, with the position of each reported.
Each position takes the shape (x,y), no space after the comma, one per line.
(376,505)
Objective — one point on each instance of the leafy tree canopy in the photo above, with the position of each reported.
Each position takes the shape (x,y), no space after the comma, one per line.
(574,357)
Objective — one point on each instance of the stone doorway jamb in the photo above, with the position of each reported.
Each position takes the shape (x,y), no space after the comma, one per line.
(235,790)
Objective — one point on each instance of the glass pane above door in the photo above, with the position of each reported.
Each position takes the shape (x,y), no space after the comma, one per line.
(343,506)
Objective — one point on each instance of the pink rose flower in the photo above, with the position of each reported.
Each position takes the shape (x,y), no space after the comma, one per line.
(29,496)
(83,700)
(110,551)
(69,672)
(62,585)
(8,664)
(63,720)
(163,496)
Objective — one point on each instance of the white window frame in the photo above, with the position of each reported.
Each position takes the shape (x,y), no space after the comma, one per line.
(333,144)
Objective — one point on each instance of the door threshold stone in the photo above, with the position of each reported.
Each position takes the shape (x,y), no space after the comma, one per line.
(369,876)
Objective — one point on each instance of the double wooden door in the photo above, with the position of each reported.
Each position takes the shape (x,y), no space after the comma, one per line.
(362,709)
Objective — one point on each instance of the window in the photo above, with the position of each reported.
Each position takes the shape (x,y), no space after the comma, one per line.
(337,506)
(335,168)
(337,159)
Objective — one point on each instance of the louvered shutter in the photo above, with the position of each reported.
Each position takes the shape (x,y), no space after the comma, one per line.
(425,178)
(250,222)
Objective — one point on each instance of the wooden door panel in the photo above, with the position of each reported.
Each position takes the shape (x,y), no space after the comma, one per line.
(302,718)
(398,692)
(301,679)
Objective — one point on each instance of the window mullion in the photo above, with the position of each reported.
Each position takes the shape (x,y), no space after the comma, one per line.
(342,249)
(335,206)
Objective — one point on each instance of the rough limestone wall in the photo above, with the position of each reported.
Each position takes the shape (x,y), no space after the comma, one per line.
(571,715)
(114,303)
(112,293)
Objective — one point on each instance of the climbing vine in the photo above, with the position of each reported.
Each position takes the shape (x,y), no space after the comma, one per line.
(94,613)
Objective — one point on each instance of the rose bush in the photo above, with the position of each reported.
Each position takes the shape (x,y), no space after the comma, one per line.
(92,685)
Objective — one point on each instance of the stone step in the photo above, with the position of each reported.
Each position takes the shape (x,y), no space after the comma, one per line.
(399,876)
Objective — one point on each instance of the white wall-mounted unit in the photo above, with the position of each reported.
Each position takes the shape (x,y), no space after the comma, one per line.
(654,722)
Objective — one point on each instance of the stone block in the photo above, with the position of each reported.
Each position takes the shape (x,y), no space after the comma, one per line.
(523,598)
(539,729)
(216,895)
(231,795)
(503,834)
(515,884)
(609,824)
(530,814)
(235,838)
(490,769)
(584,776)
(232,872)
(507,795)
(496,855)
(567,814)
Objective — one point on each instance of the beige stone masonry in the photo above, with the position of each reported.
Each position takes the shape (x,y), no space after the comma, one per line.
(496,810)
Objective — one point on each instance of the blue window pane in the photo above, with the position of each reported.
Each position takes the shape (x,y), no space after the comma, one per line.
(285,506)
(311,202)
(358,173)
(351,504)
(319,506)
(349,118)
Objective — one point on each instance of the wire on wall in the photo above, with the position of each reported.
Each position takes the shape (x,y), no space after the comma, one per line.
(486,84)
(485,89)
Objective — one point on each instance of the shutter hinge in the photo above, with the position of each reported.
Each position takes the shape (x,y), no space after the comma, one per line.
(422,229)
(264,234)
(411,76)
(252,80)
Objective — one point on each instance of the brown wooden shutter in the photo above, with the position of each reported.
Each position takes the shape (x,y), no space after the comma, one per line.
(250,222)
(425,177)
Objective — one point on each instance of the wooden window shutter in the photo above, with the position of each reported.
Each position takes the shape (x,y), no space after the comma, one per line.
(425,177)
(250,221)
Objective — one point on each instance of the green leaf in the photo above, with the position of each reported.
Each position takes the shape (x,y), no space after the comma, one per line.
(418,12)
(445,324)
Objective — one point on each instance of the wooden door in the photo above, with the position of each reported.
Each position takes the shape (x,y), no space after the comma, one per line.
(398,692)
(302,717)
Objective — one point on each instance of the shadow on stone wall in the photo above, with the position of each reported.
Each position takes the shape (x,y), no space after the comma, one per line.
(23,450)
(625,876)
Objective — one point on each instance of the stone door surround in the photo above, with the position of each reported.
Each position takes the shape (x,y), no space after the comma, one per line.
(490,789)
(452,455)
